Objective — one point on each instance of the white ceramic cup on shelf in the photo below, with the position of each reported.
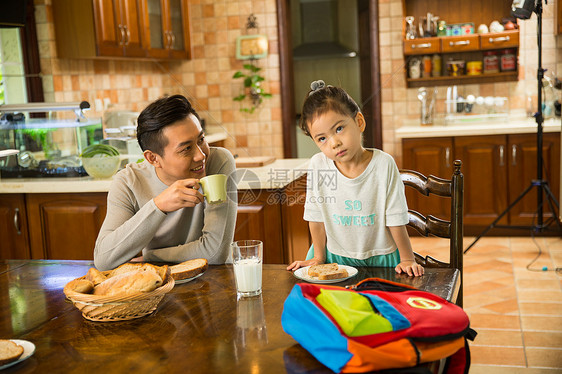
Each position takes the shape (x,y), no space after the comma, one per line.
(247,258)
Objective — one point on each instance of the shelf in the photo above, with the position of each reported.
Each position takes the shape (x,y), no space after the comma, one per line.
(463,79)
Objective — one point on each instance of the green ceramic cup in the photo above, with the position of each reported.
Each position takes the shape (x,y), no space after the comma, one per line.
(214,188)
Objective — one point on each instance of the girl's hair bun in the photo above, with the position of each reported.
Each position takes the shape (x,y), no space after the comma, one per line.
(316,85)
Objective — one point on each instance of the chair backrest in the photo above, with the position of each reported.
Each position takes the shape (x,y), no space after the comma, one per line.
(430,225)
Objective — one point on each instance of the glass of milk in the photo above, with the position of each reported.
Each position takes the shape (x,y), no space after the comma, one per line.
(247,258)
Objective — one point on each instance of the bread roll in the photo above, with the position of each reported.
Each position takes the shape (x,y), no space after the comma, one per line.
(143,280)
(341,273)
(9,351)
(189,269)
(315,270)
(80,285)
(95,276)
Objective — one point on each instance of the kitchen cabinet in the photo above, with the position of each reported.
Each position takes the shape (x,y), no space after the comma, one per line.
(426,157)
(166,28)
(98,28)
(466,47)
(14,242)
(496,168)
(275,217)
(559,18)
(51,225)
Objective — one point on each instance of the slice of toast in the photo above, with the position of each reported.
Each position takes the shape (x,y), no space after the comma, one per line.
(9,351)
(315,270)
(340,273)
(189,269)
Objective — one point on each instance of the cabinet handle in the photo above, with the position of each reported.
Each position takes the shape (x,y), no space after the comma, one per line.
(128,33)
(499,39)
(173,40)
(122,40)
(448,157)
(460,42)
(514,155)
(423,45)
(17,221)
(502,161)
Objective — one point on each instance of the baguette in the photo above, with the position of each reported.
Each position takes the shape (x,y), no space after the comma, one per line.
(315,270)
(9,351)
(127,267)
(128,283)
(189,269)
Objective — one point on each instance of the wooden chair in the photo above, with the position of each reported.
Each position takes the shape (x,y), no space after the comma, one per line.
(431,225)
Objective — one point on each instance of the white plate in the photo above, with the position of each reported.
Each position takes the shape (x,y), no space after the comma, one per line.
(302,273)
(189,279)
(28,349)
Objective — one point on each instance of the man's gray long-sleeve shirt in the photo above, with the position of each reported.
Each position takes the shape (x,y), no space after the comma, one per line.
(134,223)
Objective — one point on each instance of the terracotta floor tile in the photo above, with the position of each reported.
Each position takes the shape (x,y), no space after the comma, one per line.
(481,287)
(491,297)
(541,323)
(491,369)
(536,295)
(544,357)
(540,284)
(527,308)
(497,355)
(494,321)
(504,307)
(499,337)
(542,339)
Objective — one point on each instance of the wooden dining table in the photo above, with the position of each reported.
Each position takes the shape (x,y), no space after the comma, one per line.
(199,327)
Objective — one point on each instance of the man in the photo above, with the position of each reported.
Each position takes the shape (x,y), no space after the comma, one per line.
(156,206)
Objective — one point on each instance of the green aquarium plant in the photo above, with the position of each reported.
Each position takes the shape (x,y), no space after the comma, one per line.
(252,87)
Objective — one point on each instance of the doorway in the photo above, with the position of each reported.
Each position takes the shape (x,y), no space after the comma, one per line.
(333,40)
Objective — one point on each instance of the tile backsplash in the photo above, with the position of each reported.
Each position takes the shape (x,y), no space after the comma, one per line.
(206,79)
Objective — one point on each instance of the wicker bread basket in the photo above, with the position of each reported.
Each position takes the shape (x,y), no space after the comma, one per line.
(101,308)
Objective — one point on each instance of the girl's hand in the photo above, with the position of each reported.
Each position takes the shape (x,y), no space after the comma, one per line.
(409,267)
(301,264)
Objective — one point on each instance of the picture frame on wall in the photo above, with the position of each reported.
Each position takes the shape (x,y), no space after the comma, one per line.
(251,47)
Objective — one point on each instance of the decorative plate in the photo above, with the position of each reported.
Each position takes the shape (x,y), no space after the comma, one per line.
(189,279)
(302,274)
(28,350)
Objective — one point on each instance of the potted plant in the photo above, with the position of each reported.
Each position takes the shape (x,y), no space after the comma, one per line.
(252,87)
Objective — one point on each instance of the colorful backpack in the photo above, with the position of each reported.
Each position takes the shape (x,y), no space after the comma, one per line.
(377,325)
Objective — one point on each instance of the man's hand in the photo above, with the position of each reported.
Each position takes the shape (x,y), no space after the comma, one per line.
(409,267)
(301,264)
(181,194)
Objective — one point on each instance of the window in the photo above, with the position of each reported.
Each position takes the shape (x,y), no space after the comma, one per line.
(12,73)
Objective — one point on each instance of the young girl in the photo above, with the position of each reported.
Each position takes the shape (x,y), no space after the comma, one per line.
(355,202)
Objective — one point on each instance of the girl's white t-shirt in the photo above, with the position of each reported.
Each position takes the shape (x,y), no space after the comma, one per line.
(356,212)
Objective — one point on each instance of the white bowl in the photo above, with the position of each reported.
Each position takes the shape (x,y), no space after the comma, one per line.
(100,166)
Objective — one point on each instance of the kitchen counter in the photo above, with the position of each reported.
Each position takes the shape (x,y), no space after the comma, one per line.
(481,128)
(273,176)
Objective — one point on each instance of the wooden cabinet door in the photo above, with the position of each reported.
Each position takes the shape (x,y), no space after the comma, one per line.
(131,21)
(166,28)
(14,238)
(484,167)
(178,28)
(110,33)
(523,170)
(66,225)
(429,156)
(296,234)
(259,217)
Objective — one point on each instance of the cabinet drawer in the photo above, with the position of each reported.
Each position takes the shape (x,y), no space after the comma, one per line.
(421,46)
(460,43)
(497,40)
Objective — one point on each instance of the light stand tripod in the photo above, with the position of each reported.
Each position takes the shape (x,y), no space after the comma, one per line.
(540,183)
